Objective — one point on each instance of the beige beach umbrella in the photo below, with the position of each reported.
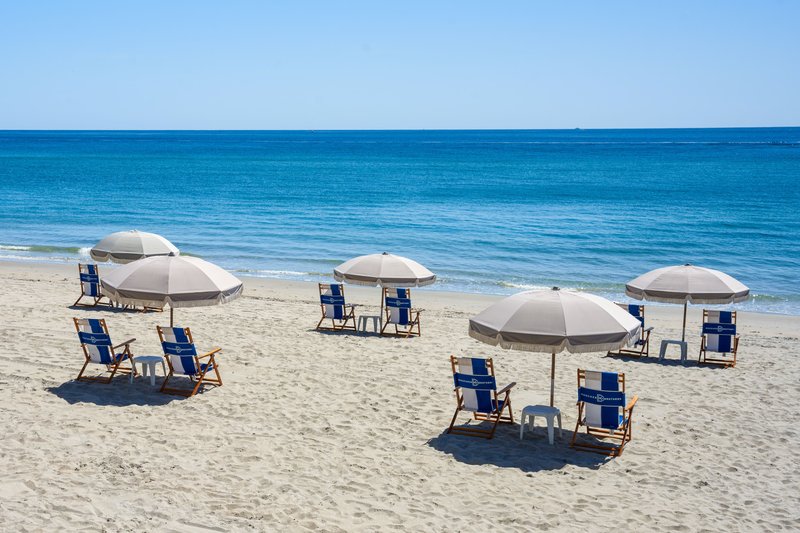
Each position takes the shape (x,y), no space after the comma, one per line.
(685,284)
(177,281)
(384,270)
(551,321)
(126,246)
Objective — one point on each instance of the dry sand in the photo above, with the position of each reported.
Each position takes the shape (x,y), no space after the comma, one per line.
(319,431)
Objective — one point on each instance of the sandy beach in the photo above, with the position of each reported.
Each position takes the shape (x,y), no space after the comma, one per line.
(344,432)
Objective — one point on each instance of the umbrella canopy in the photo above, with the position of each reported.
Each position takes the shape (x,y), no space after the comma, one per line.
(552,321)
(177,281)
(687,283)
(384,270)
(126,246)
(684,284)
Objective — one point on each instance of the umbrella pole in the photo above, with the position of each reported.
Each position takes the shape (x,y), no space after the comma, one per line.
(171,323)
(683,335)
(552,377)
(381,313)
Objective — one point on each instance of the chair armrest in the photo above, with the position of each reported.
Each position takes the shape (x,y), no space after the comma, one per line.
(631,403)
(127,342)
(209,354)
(507,388)
(647,330)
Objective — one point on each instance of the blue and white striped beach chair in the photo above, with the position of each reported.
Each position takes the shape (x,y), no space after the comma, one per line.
(399,313)
(641,347)
(335,309)
(604,410)
(719,337)
(90,286)
(476,392)
(183,360)
(98,349)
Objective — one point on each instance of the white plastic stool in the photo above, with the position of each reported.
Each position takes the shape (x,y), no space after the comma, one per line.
(149,362)
(666,342)
(363,319)
(550,413)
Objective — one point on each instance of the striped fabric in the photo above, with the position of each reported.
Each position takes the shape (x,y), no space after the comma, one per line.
(90,280)
(180,351)
(602,400)
(97,342)
(719,331)
(333,300)
(637,311)
(398,302)
(476,385)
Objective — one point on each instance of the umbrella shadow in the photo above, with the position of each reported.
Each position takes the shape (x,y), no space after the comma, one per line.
(110,309)
(506,450)
(119,393)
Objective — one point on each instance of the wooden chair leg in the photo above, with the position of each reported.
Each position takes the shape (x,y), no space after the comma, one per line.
(197,385)
(80,374)
(166,380)
(453,421)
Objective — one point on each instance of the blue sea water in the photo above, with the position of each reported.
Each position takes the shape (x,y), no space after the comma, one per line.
(488,211)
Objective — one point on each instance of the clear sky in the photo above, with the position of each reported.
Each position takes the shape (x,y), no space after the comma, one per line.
(383,65)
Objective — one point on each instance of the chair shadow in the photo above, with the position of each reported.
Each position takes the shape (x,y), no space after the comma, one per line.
(654,360)
(95,308)
(506,450)
(345,332)
(119,393)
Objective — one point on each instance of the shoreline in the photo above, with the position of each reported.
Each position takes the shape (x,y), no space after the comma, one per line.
(428,296)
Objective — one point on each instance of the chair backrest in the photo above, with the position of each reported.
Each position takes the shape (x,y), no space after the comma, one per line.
(95,340)
(90,279)
(636,310)
(603,396)
(474,379)
(719,330)
(398,304)
(331,298)
(179,348)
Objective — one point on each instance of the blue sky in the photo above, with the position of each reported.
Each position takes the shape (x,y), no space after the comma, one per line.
(404,64)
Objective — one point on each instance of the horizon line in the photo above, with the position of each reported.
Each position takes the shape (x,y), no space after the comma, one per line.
(388,129)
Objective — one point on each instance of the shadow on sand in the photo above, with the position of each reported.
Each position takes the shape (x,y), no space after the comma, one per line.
(666,362)
(506,450)
(119,393)
(112,309)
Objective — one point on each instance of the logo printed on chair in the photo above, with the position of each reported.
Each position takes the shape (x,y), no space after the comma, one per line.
(597,397)
(474,382)
(719,329)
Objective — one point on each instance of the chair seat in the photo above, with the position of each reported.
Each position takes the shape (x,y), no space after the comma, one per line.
(204,367)
(608,426)
(117,357)
(498,405)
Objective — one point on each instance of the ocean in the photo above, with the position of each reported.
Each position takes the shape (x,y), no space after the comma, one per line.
(488,211)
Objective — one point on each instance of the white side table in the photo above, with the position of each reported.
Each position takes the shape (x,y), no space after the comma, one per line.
(148,363)
(666,342)
(363,319)
(550,413)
